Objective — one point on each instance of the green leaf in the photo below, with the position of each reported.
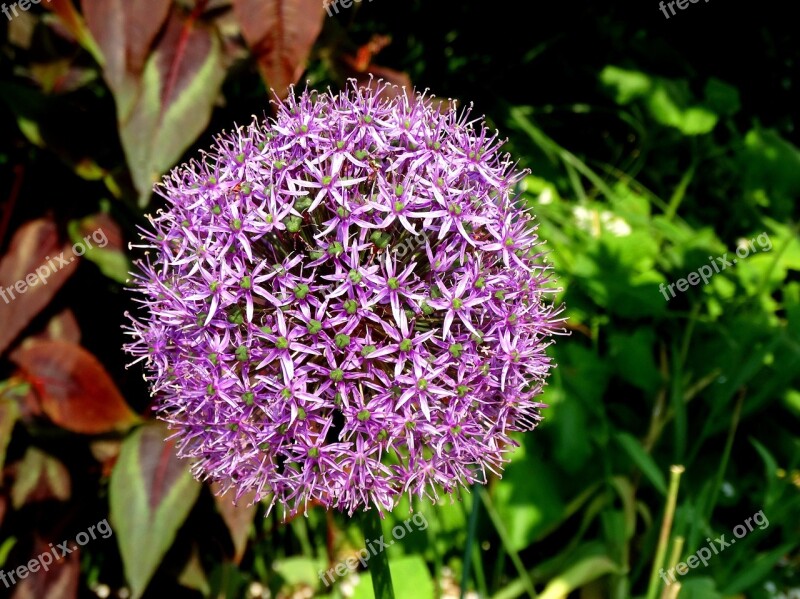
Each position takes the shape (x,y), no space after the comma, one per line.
(527,501)
(151,494)
(39,477)
(757,570)
(792,401)
(578,575)
(571,451)
(771,491)
(669,101)
(193,575)
(615,533)
(299,570)
(5,548)
(771,167)
(668,107)
(721,97)
(791,299)
(643,460)
(585,375)
(626,85)
(410,576)
(617,272)
(627,495)
(632,355)
(9,413)
(105,248)
(699,588)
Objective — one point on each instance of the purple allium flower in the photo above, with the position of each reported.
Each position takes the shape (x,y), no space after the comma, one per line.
(346,304)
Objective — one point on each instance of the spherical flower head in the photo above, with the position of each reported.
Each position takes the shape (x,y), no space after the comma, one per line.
(346,303)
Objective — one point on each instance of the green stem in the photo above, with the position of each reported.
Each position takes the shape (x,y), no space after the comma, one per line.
(472,528)
(726,454)
(502,532)
(433,534)
(379,563)
(666,529)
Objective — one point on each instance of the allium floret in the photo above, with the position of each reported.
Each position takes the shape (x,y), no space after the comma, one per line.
(346,303)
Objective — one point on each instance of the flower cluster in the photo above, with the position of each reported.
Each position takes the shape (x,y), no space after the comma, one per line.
(296,353)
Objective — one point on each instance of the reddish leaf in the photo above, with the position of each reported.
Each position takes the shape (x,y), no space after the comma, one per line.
(59,581)
(368,74)
(34,249)
(281,34)
(39,477)
(151,494)
(74,389)
(75,25)
(237,516)
(29,406)
(400,79)
(125,31)
(365,53)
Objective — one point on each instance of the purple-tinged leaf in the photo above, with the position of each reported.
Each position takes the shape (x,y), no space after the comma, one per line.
(151,494)
(174,99)
(59,581)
